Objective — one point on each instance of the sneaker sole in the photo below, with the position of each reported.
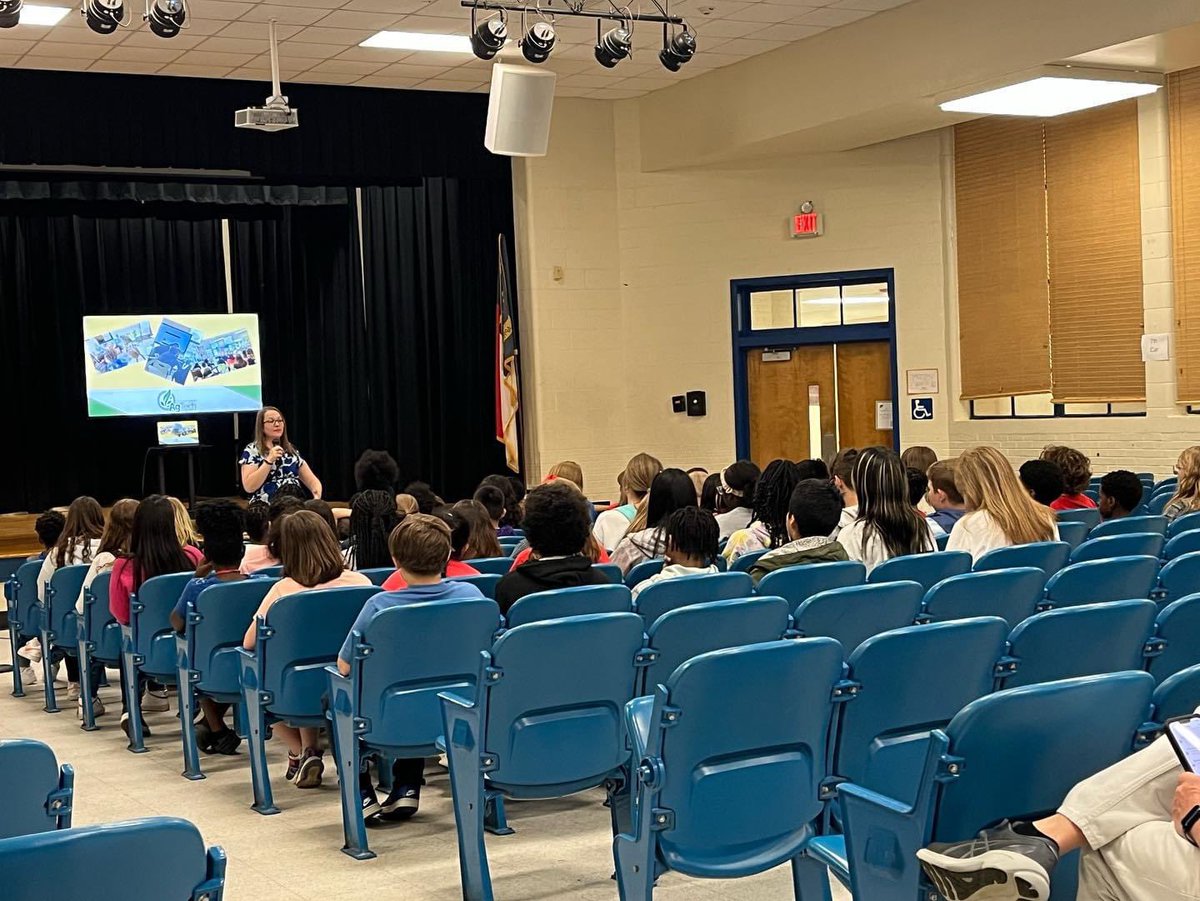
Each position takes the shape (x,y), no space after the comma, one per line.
(371,811)
(992,876)
(309,774)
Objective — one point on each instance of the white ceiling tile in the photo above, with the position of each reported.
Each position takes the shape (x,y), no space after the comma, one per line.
(50,62)
(442,25)
(615,94)
(326,78)
(560,91)
(787,32)
(385,81)
(304,50)
(399,7)
(447,84)
(346,67)
(452,9)
(372,22)
(869,5)
(707,29)
(194,71)
(288,68)
(67,51)
(406,72)
(73,34)
(283,15)
(746,47)
(206,25)
(717,9)
(158,55)
(235,45)
(257,31)
(334,37)
(212,58)
(15,45)
(382,55)
(772,12)
(9,60)
(830,17)
(129,68)
(144,37)
(223,9)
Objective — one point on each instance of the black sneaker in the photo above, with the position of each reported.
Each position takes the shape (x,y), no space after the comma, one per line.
(308,775)
(370,803)
(146,733)
(999,864)
(204,737)
(402,803)
(293,767)
(225,742)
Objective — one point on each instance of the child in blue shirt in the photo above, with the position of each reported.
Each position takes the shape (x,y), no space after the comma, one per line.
(219,523)
(420,547)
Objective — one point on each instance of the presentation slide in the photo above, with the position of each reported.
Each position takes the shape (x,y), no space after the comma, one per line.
(187,363)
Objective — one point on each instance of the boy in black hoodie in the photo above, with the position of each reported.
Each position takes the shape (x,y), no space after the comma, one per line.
(557,526)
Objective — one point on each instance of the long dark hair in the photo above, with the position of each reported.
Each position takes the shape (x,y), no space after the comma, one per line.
(154,546)
(771,497)
(117,530)
(85,522)
(883,505)
(373,515)
(670,490)
(481,542)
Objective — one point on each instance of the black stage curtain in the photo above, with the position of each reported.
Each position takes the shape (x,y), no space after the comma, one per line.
(299,269)
(430,257)
(58,263)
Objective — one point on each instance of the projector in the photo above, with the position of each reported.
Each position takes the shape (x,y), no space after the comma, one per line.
(276,115)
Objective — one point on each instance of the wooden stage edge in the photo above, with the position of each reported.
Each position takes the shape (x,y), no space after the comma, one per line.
(18,539)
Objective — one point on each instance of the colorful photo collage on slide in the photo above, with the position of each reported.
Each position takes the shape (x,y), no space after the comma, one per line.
(174,353)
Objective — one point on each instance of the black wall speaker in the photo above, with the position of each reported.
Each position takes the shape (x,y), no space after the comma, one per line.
(697,403)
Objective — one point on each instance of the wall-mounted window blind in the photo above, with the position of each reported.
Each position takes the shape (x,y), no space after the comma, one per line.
(1094,225)
(1183,104)
(1000,201)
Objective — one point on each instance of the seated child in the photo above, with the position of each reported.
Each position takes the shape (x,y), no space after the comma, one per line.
(420,547)
(1043,480)
(1120,494)
(813,514)
(943,496)
(220,524)
(918,484)
(691,536)
(257,555)
(49,527)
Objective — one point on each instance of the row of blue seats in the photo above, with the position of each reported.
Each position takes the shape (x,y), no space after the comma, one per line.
(42,856)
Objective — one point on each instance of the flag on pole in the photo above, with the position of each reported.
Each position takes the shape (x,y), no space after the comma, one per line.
(508,386)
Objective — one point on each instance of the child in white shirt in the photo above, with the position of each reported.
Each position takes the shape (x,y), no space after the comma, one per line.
(691,536)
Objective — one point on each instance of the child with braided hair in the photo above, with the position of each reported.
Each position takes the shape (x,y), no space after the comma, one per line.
(769,526)
(691,536)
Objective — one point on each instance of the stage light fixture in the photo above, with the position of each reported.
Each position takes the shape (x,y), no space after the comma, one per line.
(10,13)
(538,41)
(613,46)
(103,16)
(677,50)
(489,36)
(166,17)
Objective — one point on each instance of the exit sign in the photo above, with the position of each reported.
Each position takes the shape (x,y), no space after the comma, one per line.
(806,225)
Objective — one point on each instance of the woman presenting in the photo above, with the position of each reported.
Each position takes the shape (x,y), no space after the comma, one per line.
(270,461)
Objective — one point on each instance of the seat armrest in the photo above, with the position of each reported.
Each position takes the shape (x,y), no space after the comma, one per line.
(638,714)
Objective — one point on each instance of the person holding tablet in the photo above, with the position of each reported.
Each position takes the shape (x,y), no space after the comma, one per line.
(270,461)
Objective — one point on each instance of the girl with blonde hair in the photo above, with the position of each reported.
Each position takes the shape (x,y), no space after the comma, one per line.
(1000,511)
(185,530)
(1186,498)
(569,470)
(612,525)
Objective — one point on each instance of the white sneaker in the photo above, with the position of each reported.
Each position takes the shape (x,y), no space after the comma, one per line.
(155,703)
(97,708)
(31,651)
(28,676)
(72,691)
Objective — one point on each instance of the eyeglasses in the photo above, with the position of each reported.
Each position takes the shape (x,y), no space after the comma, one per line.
(272,422)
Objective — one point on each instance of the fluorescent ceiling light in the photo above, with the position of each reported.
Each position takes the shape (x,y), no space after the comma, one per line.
(415,40)
(1057,90)
(42,15)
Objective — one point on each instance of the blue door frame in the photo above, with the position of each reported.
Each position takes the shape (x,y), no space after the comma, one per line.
(745,339)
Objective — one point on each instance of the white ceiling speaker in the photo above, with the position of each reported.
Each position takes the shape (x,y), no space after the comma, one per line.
(519,106)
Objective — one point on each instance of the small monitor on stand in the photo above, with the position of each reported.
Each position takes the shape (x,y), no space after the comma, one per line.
(179,432)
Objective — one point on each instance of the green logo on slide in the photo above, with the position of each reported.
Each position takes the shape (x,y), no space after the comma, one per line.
(166,401)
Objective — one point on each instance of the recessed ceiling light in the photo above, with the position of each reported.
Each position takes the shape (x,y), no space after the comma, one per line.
(42,15)
(1057,90)
(415,40)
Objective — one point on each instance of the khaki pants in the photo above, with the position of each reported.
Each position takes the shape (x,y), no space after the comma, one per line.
(1134,853)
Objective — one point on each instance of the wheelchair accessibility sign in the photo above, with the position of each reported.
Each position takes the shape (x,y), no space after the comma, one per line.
(922,408)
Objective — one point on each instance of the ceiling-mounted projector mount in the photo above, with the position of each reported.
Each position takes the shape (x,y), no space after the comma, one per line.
(489,33)
(274,114)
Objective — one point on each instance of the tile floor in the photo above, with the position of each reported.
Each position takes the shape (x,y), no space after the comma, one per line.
(562,849)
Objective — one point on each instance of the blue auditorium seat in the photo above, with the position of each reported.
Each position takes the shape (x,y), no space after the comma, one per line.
(37,792)
(388,705)
(612,571)
(283,678)
(1089,516)
(148,644)
(1073,533)
(1012,594)
(378,574)
(1139,544)
(942,540)
(24,622)
(154,859)
(1183,543)
(561,602)
(642,571)
(1159,502)
(757,807)
(1048,556)
(59,623)
(270,572)
(1177,695)
(670,594)
(799,583)
(1127,524)
(485,582)
(99,642)
(206,654)
(1179,577)
(926,569)
(492,565)
(743,563)
(681,634)
(1116,579)
(1177,638)
(854,614)
(989,763)
(544,721)
(1187,523)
